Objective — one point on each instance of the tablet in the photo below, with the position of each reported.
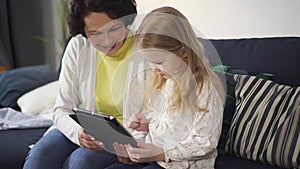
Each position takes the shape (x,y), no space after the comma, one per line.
(104,128)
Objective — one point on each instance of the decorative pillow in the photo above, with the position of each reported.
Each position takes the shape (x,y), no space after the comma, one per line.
(39,100)
(266,124)
(16,82)
(230,107)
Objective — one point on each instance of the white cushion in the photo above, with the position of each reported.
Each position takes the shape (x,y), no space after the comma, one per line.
(39,101)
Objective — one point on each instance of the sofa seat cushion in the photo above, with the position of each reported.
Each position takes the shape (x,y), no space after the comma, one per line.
(266,123)
(15,144)
(227,161)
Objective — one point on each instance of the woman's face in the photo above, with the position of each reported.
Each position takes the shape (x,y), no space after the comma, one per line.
(105,34)
(166,64)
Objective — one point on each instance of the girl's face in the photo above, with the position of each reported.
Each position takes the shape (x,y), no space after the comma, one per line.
(104,33)
(165,63)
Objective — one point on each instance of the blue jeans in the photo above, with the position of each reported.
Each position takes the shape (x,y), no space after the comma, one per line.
(118,165)
(55,151)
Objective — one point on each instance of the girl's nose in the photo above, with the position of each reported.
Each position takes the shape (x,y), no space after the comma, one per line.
(155,69)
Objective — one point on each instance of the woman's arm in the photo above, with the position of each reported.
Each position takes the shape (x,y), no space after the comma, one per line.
(67,95)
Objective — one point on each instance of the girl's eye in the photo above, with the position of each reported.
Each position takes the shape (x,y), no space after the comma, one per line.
(158,63)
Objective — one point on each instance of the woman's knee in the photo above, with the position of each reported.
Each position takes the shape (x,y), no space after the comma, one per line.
(52,137)
(54,147)
(83,158)
(152,165)
(53,142)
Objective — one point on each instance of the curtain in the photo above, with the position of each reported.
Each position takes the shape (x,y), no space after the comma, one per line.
(21,33)
(6,52)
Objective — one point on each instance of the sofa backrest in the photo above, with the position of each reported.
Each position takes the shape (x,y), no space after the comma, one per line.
(279,56)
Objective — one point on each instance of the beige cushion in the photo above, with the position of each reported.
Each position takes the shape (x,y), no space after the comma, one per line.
(39,101)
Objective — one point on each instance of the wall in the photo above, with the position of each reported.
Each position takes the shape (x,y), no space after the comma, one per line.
(236,18)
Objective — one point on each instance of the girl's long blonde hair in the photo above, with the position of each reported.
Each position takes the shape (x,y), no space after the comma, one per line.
(167,29)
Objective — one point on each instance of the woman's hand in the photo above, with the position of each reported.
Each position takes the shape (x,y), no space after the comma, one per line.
(139,122)
(145,152)
(89,142)
(121,153)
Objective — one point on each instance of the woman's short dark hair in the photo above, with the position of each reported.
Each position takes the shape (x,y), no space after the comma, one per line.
(114,9)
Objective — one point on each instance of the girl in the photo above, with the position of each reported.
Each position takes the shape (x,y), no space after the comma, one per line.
(183,94)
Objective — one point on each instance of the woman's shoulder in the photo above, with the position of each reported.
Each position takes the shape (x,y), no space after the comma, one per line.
(77,45)
(79,41)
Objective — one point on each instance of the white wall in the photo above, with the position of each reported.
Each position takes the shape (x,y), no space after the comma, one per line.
(236,18)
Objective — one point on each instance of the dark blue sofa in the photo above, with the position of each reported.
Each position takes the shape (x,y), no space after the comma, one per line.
(279,56)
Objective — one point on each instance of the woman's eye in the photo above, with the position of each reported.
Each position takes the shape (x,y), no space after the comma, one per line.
(114,29)
(96,33)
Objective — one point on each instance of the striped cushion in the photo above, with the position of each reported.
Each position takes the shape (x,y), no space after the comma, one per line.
(266,125)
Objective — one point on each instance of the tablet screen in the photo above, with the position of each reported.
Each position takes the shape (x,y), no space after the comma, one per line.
(106,129)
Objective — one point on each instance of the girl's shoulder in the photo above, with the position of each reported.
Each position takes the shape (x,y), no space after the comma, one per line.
(208,95)
(205,90)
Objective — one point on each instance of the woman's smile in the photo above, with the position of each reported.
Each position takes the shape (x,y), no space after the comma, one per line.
(105,34)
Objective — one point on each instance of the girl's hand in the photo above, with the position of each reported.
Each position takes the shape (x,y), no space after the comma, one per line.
(121,153)
(139,122)
(145,152)
(89,142)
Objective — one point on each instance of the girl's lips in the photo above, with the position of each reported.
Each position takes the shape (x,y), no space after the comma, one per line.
(160,73)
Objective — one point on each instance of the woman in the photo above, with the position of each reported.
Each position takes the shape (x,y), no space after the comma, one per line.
(183,94)
(95,59)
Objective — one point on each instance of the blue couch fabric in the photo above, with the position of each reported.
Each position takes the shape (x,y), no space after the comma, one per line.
(278,55)
(14,83)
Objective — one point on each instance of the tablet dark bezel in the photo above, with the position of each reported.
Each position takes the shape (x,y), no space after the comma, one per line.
(112,121)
